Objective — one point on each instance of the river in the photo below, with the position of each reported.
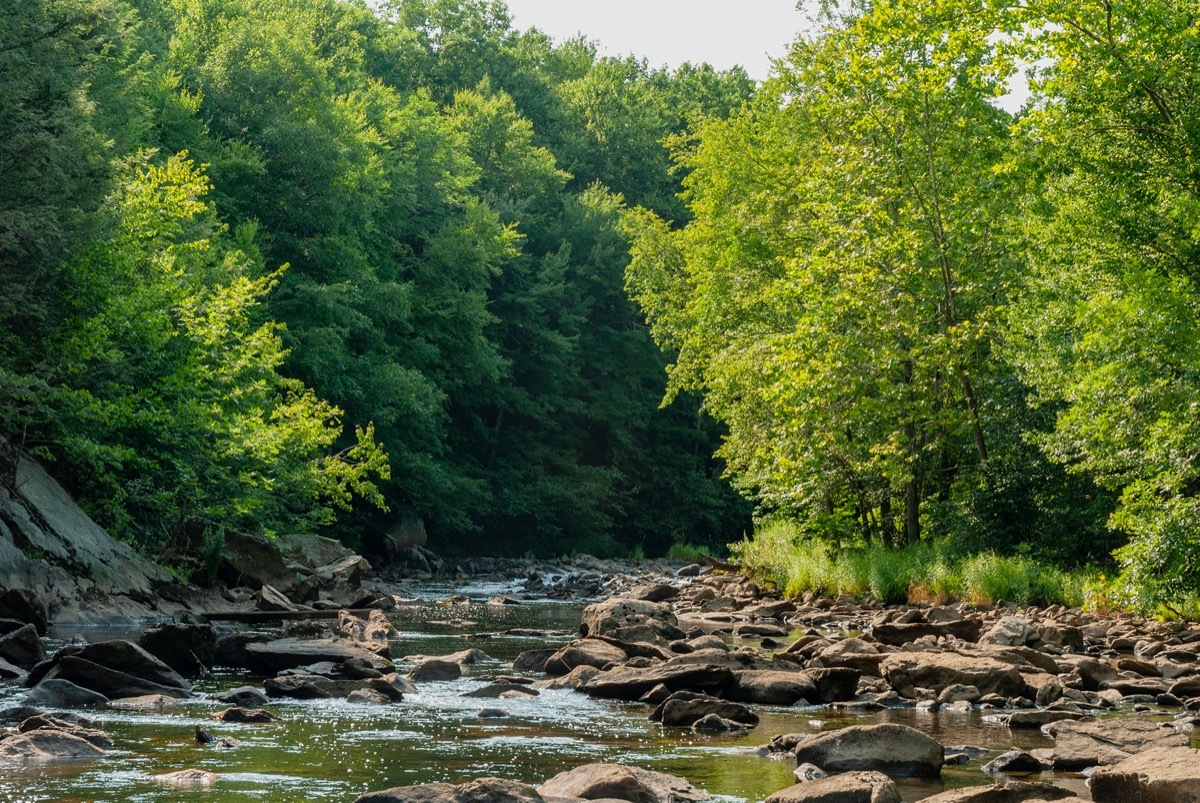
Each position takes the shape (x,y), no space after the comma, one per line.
(333,750)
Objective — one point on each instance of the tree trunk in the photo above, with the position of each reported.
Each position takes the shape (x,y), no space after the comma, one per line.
(912,511)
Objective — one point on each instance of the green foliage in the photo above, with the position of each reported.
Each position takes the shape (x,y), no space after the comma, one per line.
(794,562)
(172,405)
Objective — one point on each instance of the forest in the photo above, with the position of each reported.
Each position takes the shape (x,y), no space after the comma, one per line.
(334,266)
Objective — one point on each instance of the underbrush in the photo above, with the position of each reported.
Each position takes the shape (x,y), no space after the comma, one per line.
(922,572)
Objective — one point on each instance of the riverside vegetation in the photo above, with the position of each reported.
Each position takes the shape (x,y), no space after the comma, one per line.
(336,266)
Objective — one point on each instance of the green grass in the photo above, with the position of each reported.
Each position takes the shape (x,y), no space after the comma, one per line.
(783,556)
(688,552)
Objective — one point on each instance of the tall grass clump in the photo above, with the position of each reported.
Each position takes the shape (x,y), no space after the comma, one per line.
(781,554)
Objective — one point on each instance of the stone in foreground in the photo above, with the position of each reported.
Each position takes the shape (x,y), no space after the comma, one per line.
(1161,775)
(896,750)
(850,787)
(599,781)
(1008,792)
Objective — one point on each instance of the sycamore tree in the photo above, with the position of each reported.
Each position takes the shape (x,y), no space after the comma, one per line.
(1108,328)
(835,296)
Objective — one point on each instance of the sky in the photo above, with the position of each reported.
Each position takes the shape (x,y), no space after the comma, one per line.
(723,33)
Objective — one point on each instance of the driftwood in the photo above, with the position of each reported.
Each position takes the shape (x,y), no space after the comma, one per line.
(720,565)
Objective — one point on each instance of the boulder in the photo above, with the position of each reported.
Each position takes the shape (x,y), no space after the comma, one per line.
(289,653)
(834,684)
(630,683)
(112,683)
(296,687)
(435,669)
(189,649)
(683,709)
(631,620)
(1012,761)
(23,647)
(251,715)
(599,781)
(481,790)
(1006,792)
(653,592)
(1160,775)
(46,744)
(533,661)
(271,600)
(58,693)
(584,652)
(49,722)
(1012,631)
(892,749)
(768,687)
(24,606)
(899,634)
(375,629)
(908,671)
(130,659)
(850,787)
(68,563)
(242,696)
(1103,742)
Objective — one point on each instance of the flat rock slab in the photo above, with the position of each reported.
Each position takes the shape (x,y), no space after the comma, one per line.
(289,653)
(1103,742)
(481,790)
(598,781)
(630,683)
(1008,792)
(896,750)
(850,787)
(46,745)
(1161,775)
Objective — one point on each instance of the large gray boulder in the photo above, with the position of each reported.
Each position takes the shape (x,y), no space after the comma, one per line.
(189,649)
(23,647)
(67,564)
(600,781)
(850,787)
(771,687)
(1160,775)
(117,669)
(584,652)
(899,634)
(58,693)
(907,671)
(892,749)
(290,653)
(684,709)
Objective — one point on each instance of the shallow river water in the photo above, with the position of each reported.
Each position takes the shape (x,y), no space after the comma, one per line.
(332,750)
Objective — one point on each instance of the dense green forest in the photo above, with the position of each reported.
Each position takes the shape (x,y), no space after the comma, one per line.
(265,263)
(331,264)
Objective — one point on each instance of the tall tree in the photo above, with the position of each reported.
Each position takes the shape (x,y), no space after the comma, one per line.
(835,295)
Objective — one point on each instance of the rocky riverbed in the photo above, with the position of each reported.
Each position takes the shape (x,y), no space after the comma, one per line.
(831,700)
